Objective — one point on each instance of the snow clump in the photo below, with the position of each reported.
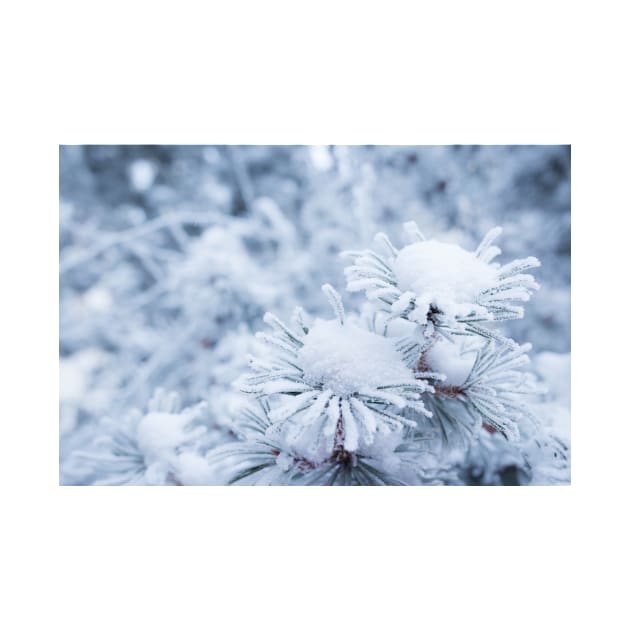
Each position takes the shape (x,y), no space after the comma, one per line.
(347,359)
(454,360)
(443,275)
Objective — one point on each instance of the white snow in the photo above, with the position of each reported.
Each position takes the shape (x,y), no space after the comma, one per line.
(442,274)
(164,429)
(161,433)
(556,371)
(193,469)
(347,359)
(98,299)
(142,174)
(160,436)
(76,390)
(450,359)
(320,157)
(383,324)
(75,373)
(280,226)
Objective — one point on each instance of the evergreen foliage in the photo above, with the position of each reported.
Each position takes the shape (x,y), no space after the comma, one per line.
(340,403)
(171,256)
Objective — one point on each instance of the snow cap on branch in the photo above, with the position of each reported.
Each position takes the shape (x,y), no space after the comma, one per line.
(160,447)
(429,280)
(333,387)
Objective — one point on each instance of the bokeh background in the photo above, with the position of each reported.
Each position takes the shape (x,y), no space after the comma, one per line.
(170,255)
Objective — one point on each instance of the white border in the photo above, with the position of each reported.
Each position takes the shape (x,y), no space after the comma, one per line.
(343,72)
